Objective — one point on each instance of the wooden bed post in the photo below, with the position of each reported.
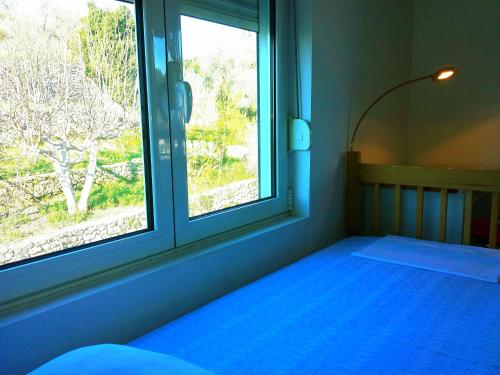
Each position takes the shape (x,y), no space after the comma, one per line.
(467,217)
(495,200)
(353,206)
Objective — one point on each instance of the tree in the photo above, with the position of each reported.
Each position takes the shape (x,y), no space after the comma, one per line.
(105,44)
(4,8)
(219,88)
(59,103)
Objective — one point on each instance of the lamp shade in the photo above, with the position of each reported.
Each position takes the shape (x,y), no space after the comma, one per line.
(444,74)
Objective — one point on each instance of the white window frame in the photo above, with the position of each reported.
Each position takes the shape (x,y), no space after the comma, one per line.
(274,106)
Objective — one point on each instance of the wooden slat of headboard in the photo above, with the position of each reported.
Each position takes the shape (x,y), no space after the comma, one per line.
(397,209)
(443,214)
(376,209)
(353,204)
(467,217)
(478,180)
(421,178)
(494,220)
(419,232)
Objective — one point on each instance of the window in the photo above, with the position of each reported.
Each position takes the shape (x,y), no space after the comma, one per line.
(72,140)
(222,135)
(130,128)
(227,174)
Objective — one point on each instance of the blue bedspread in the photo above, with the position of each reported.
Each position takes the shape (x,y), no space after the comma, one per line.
(333,313)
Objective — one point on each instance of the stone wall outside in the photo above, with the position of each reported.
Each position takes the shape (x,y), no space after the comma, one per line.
(19,193)
(128,219)
(224,197)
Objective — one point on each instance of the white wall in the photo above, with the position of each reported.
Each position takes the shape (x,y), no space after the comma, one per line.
(382,61)
(119,310)
(456,124)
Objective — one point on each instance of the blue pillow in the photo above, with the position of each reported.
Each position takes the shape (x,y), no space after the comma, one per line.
(117,359)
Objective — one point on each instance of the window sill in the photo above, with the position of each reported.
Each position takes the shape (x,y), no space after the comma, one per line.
(126,272)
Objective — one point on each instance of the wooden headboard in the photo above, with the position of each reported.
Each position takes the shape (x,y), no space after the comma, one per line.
(420,178)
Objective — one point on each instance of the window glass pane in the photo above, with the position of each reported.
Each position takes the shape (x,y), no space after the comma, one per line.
(224,160)
(71,144)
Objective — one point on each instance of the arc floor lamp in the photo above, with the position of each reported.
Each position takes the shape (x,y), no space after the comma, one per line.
(353,158)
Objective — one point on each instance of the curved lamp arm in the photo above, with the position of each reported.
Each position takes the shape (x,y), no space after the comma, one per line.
(353,138)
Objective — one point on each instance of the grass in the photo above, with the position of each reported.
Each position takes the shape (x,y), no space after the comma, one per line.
(53,211)
(12,166)
(204,173)
(126,147)
(117,193)
(108,195)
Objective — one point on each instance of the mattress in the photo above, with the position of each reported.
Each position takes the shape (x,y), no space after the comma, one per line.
(334,313)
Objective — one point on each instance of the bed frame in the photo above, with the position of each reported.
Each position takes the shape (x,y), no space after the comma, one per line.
(422,179)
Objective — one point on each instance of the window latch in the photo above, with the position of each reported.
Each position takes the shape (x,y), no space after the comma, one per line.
(186,97)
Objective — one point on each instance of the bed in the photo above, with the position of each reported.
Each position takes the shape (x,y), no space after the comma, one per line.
(335,313)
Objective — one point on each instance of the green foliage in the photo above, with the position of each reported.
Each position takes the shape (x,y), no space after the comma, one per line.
(13,165)
(55,212)
(193,65)
(103,42)
(230,128)
(232,118)
(117,193)
(126,147)
(106,43)
(207,172)
(108,195)
(62,216)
